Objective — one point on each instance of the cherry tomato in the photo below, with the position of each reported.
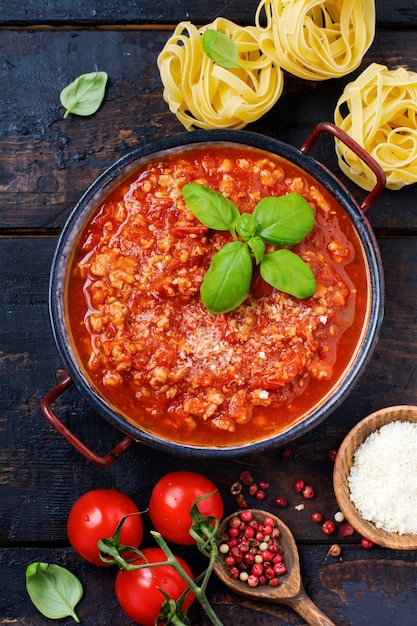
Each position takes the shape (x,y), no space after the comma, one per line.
(138,591)
(171,500)
(95,515)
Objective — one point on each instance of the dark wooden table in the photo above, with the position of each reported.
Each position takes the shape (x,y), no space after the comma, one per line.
(46,164)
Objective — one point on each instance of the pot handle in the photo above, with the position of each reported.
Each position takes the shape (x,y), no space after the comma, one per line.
(50,415)
(358,150)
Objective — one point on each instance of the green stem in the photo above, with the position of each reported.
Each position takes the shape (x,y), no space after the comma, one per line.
(199,592)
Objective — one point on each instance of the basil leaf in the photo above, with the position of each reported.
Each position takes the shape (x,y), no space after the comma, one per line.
(220,49)
(246,226)
(212,208)
(284,220)
(226,283)
(258,248)
(53,590)
(85,94)
(287,272)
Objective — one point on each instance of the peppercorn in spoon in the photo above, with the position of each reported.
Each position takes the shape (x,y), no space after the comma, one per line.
(277,577)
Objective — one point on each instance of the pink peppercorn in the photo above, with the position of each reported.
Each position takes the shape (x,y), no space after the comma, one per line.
(266,555)
(249,532)
(308,492)
(246,516)
(280,501)
(365,543)
(248,558)
(346,530)
(331,455)
(328,527)
(286,454)
(279,569)
(257,569)
(299,485)
(246,477)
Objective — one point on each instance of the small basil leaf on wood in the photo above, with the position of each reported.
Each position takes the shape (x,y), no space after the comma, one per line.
(53,589)
(246,226)
(226,282)
(212,208)
(85,94)
(220,49)
(258,248)
(284,220)
(287,272)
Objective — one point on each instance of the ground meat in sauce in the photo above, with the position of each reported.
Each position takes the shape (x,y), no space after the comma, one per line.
(142,261)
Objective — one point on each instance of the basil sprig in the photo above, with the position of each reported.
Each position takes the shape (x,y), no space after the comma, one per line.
(221,49)
(53,589)
(85,94)
(279,221)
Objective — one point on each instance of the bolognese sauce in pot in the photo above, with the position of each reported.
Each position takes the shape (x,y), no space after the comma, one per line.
(158,356)
(131,327)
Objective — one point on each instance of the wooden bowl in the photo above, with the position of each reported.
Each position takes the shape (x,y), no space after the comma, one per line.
(343,463)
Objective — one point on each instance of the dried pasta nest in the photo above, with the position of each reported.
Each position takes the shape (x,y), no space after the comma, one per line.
(316,39)
(379,111)
(202,94)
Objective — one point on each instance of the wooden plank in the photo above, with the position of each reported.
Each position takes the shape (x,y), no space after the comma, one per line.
(333,584)
(48,162)
(88,13)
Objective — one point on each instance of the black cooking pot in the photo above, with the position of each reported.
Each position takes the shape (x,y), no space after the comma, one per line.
(106,182)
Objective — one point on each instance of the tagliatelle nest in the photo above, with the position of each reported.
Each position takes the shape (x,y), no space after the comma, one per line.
(316,39)
(379,111)
(202,94)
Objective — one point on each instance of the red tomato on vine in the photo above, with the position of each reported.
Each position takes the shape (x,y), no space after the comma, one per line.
(96,515)
(139,591)
(171,501)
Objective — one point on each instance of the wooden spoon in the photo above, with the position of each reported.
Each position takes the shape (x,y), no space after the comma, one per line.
(290,590)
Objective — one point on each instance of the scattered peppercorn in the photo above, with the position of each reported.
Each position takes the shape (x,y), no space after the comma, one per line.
(286,454)
(241,501)
(299,485)
(246,478)
(346,530)
(365,543)
(280,501)
(331,455)
(308,492)
(335,550)
(317,517)
(339,517)
(328,527)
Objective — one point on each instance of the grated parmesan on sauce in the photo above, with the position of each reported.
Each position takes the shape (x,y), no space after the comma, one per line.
(382,478)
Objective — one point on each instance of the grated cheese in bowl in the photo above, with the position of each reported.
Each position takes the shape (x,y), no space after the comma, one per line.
(382,480)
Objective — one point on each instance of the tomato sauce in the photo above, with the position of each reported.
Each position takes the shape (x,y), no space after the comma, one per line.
(149,346)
